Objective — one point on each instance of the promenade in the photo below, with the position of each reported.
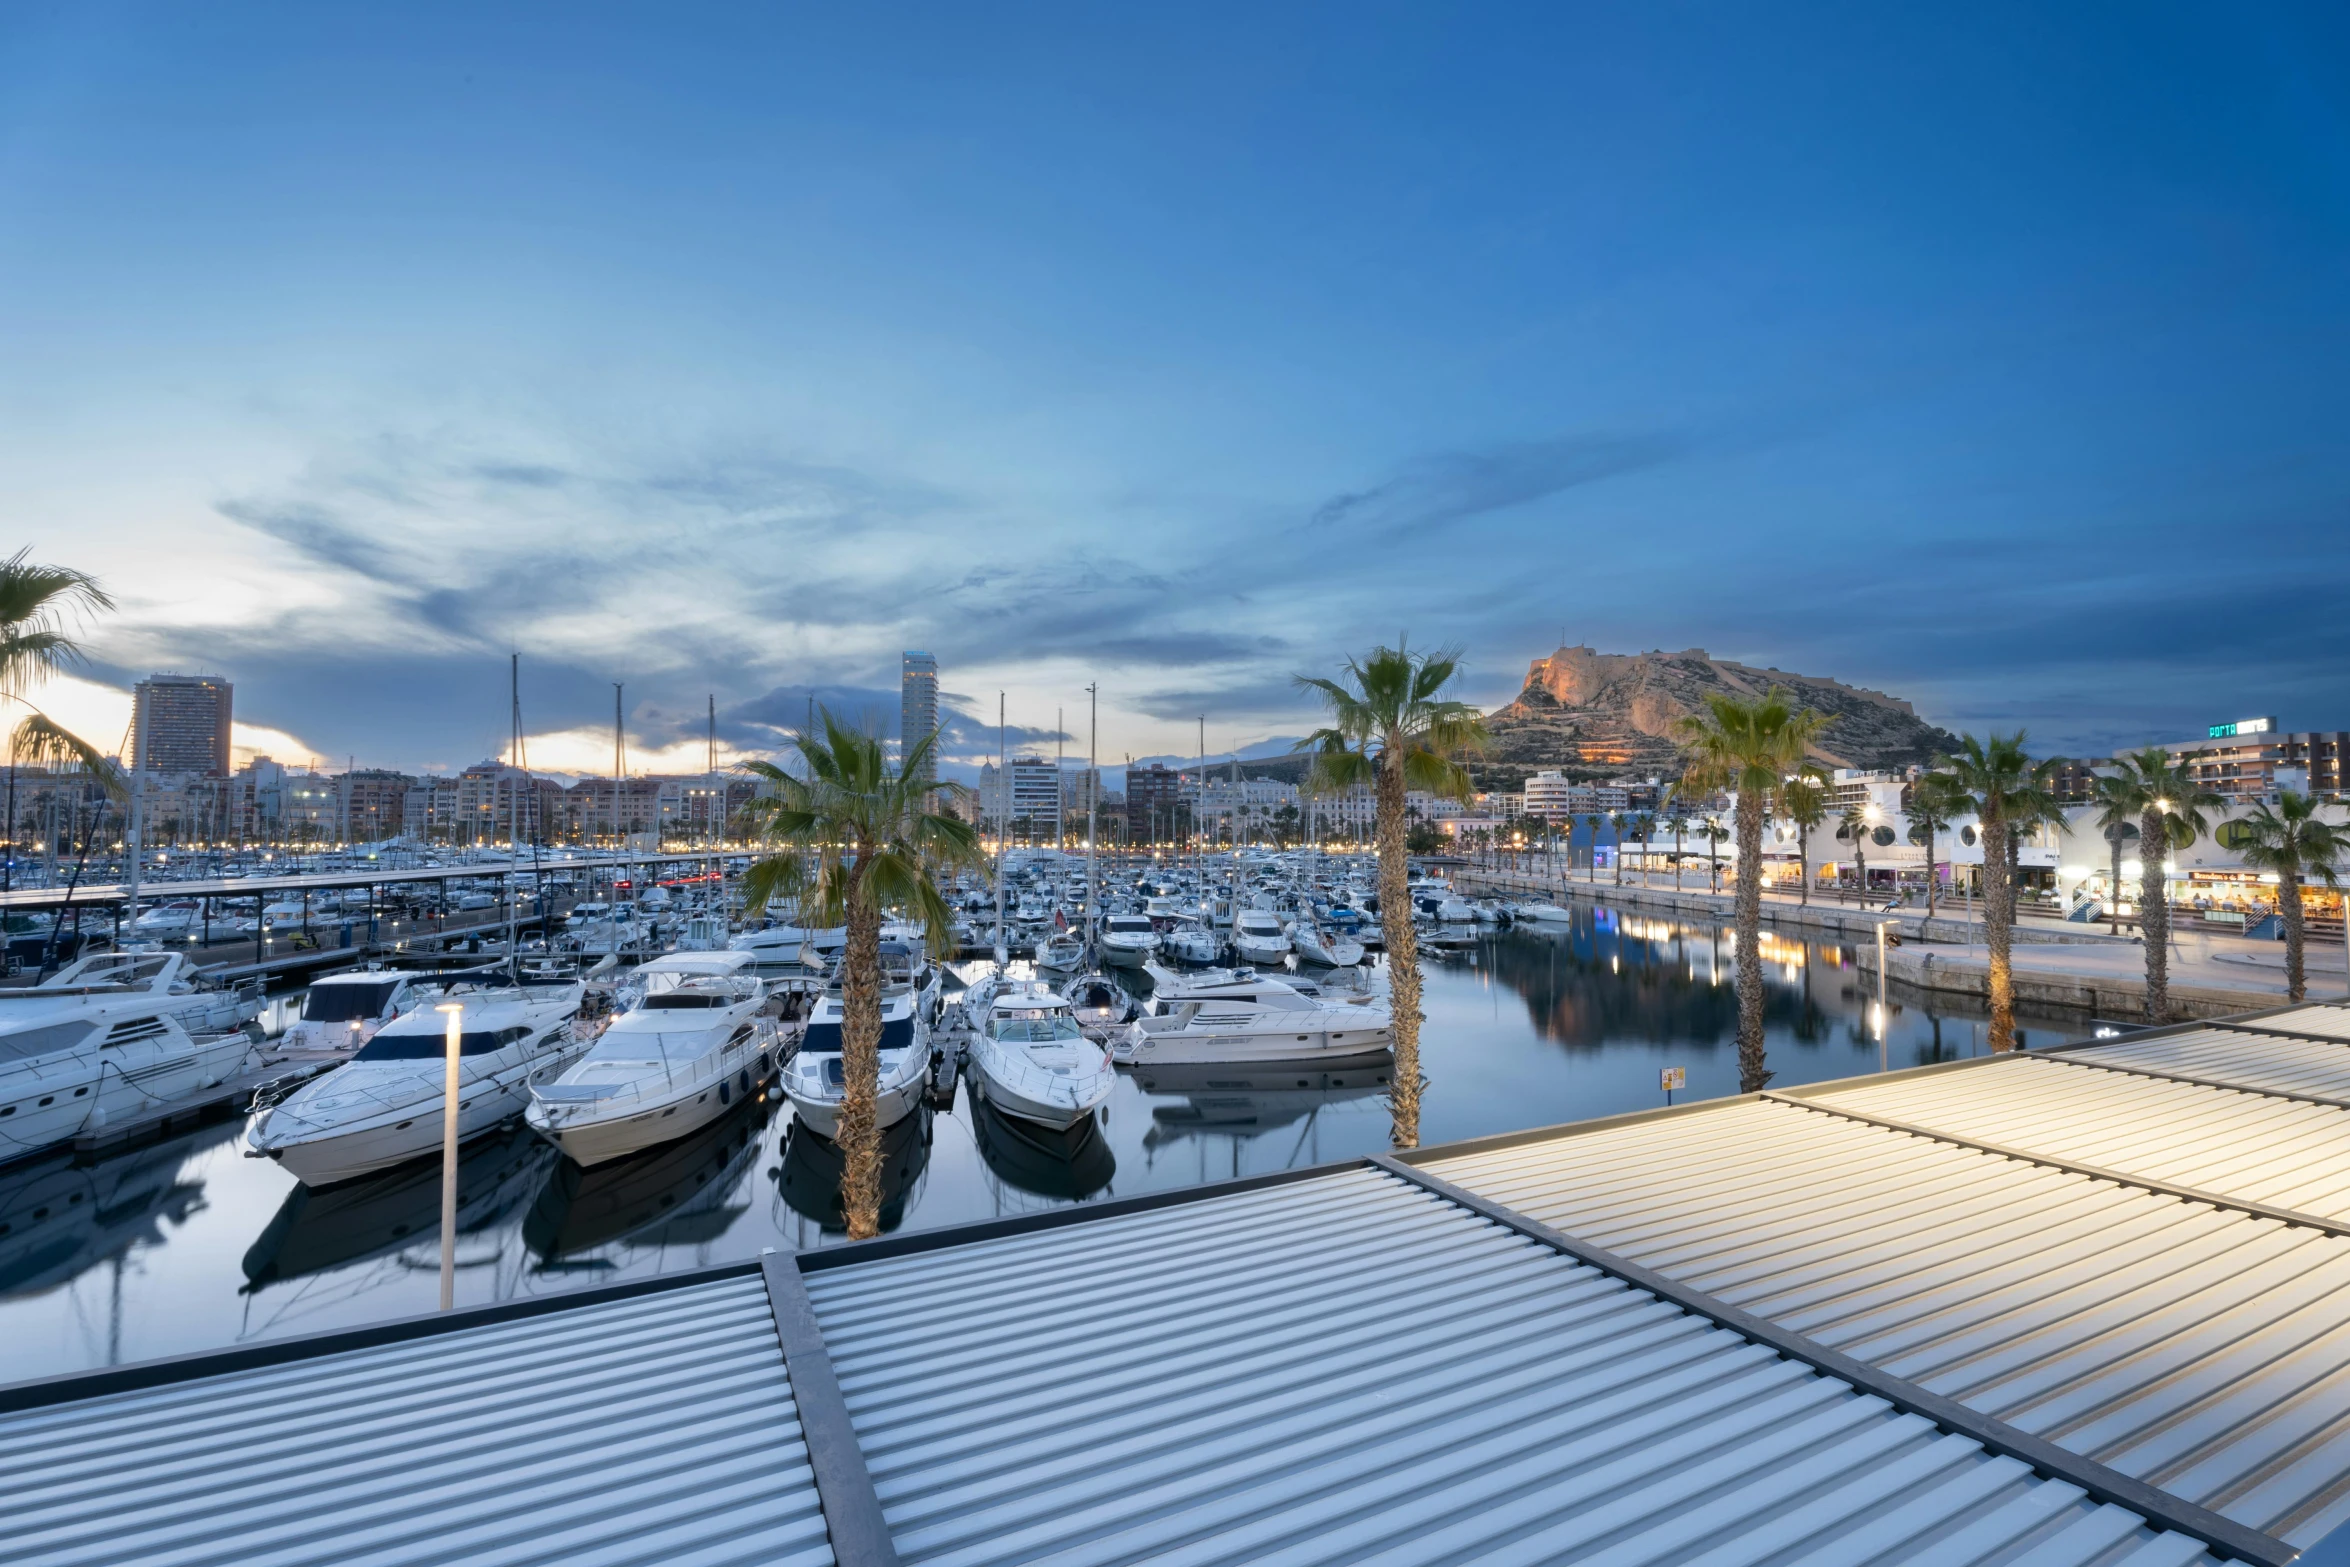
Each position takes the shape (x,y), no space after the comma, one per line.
(2055,962)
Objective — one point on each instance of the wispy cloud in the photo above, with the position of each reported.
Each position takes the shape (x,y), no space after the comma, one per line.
(1445,488)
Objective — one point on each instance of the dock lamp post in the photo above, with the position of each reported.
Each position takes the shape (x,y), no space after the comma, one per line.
(455,1012)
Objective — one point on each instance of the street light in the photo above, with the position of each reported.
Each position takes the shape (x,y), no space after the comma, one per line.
(455,1012)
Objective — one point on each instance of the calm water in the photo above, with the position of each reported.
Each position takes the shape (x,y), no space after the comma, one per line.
(187,1245)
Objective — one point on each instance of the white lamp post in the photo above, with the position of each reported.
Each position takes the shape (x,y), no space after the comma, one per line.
(455,1012)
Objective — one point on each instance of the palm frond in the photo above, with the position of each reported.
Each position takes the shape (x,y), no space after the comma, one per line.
(43,742)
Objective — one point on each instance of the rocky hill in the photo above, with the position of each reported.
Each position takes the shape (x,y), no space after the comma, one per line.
(1593,714)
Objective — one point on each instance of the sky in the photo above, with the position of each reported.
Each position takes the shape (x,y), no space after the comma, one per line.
(1986,355)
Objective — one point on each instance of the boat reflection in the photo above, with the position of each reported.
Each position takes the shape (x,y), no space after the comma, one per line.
(685,1193)
(61,1214)
(317,1228)
(810,1173)
(1073,1164)
(1249,1100)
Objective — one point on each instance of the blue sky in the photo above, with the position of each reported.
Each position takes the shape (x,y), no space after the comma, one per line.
(1987,355)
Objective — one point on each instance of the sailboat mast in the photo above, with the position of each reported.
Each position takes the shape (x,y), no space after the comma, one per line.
(1093,795)
(1003,782)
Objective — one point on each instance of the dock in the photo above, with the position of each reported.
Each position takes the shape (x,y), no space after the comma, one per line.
(2076,1306)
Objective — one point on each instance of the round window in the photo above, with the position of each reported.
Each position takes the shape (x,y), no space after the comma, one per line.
(1966,835)
(1882,836)
(2233,835)
(1843,833)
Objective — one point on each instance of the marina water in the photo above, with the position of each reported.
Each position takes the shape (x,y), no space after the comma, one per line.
(186,1245)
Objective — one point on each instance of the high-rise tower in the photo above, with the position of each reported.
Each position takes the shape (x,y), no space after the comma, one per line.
(180,724)
(918,707)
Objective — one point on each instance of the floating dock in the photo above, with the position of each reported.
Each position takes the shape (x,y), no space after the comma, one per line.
(2083,1306)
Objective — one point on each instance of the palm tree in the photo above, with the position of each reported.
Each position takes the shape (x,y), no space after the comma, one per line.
(1932,805)
(1679,822)
(1713,832)
(2005,789)
(1750,747)
(38,606)
(1619,820)
(1592,823)
(2171,806)
(1854,824)
(1804,802)
(1391,724)
(2295,844)
(2119,800)
(853,840)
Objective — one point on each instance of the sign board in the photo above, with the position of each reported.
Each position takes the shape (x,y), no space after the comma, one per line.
(2243,726)
(1673,1077)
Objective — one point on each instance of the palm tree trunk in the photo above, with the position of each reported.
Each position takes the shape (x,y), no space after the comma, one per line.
(1753,1075)
(1676,858)
(2113,886)
(1931,879)
(1803,864)
(2154,913)
(860,1031)
(2289,905)
(1998,929)
(1403,951)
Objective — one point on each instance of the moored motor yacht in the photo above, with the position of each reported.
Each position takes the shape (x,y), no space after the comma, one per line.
(1257,937)
(1029,1058)
(384,1105)
(1240,1015)
(1128,940)
(814,1079)
(344,1011)
(691,1046)
(1544,914)
(1325,947)
(1061,951)
(112,1038)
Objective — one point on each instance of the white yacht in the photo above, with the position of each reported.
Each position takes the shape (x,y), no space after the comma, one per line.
(383,1106)
(1257,937)
(344,1011)
(696,1041)
(1029,1059)
(1240,1015)
(1128,941)
(813,1078)
(1190,941)
(114,1037)
(1452,910)
(1544,914)
(775,947)
(1326,947)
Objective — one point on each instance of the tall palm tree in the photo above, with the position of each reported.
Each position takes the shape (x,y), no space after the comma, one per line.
(1804,802)
(1932,805)
(1591,823)
(1619,820)
(1714,834)
(39,606)
(1679,822)
(2296,845)
(854,840)
(1392,725)
(2172,803)
(2005,789)
(2120,800)
(1750,747)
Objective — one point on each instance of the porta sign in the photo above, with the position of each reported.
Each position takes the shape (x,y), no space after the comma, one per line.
(2243,726)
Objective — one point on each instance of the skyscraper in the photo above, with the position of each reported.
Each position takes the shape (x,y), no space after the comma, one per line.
(918,707)
(180,724)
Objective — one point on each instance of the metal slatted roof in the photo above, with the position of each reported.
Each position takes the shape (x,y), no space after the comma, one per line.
(654,1430)
(2089,1306)
(2199,1347)
(1355,1370)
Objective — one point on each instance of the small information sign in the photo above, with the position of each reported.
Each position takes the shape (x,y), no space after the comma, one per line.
(1672,1077)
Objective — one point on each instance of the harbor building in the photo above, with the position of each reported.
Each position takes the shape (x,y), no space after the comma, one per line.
(1152,793)
(2247,759)
(917,707)
(181,724)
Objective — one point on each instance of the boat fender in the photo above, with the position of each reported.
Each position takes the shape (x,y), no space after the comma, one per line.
(743,1081)
(725,1094)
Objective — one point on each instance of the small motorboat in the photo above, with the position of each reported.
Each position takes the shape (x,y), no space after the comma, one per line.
(1258,938)
(1128,940)
(1062,952)
(1241,1015)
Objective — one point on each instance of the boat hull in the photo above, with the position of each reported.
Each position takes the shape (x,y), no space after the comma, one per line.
(592,1143)
(1283,1042)
(893,1104)
(1124,957)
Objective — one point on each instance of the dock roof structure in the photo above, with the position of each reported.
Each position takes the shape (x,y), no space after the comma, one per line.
(2075,1306)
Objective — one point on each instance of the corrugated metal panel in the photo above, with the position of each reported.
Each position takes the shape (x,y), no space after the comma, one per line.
(1353,1370)
(2202,1350)
(2265,1061)
(2329,1019)
(657,1429)
(2281,1152)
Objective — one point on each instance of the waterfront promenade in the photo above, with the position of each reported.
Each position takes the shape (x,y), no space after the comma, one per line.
(2056,962)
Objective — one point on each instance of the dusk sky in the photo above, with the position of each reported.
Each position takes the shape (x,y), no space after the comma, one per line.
(1993,356)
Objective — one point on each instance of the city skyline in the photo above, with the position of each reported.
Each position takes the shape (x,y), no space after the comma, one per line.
(1986,360)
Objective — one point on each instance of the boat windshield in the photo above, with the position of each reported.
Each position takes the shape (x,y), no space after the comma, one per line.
(26,1043)
(824,1038)
(339,1003)
(1033,1026)
(425,1047)
(687,1000)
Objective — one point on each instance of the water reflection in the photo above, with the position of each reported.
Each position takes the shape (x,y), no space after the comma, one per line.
(687,1193)
(186,1245)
